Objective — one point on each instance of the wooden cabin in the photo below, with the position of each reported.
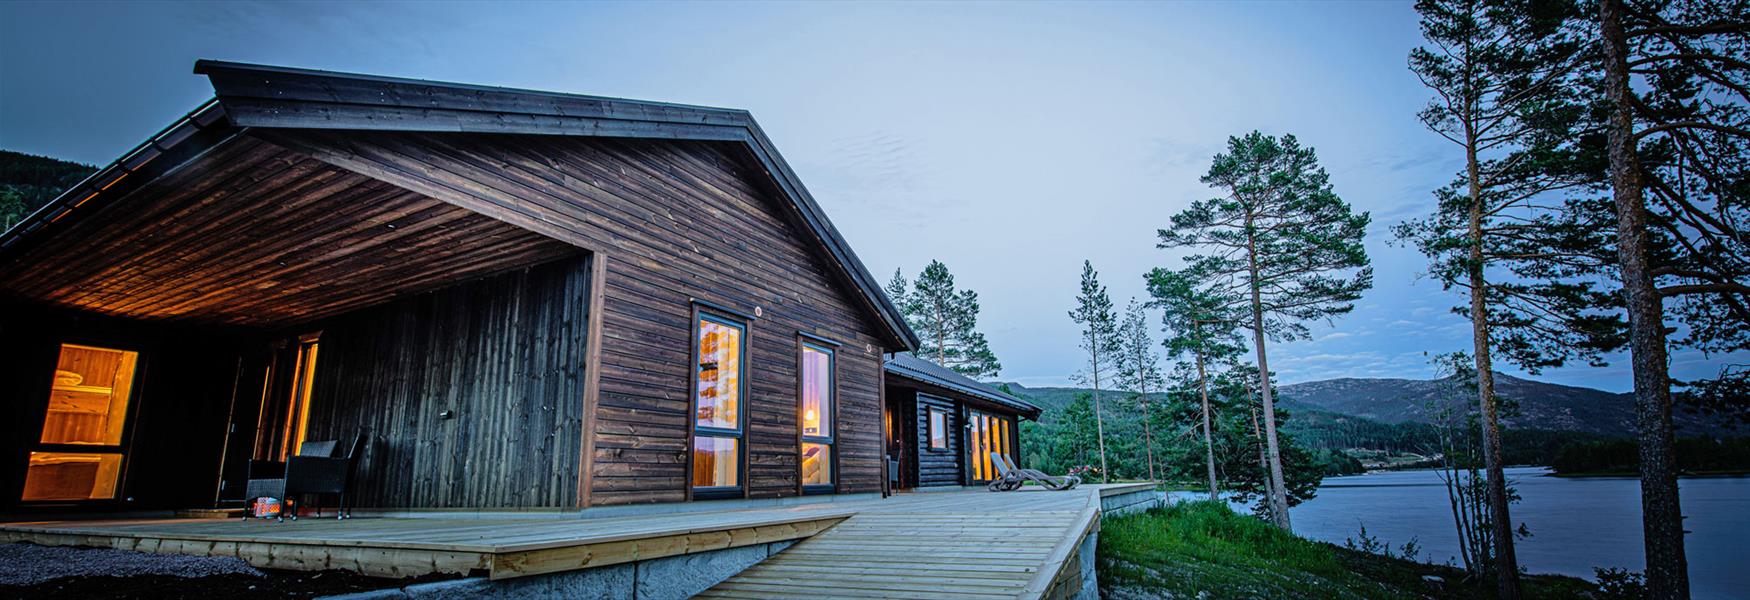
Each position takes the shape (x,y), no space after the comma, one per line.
(943,427)
(521,299)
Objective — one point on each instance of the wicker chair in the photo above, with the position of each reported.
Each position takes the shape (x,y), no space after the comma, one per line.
(315,471)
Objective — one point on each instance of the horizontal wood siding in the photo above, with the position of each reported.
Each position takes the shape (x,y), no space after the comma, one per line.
(504,355)
(936,467)
(676,221)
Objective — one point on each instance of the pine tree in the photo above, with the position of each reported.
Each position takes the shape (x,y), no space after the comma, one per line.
(1675,85)
(946,321)
(1100,339)
(1281,239)
(1197,323)
(1500,71)
(1139,370)
(898,291)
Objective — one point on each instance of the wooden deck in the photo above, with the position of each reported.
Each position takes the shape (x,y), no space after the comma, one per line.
(975,544)
(941,544)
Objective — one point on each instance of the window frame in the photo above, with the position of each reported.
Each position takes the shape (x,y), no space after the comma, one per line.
(988,433)
(125,448)
(933,429)
(806,342)
(703,312)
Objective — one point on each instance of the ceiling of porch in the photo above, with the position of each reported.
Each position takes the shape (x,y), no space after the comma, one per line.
(256,234)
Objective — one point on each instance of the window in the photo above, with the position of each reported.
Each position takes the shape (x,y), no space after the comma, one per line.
(285,403)
(938,429)
(79,455)
(717,405)
(817,387)
(987,435)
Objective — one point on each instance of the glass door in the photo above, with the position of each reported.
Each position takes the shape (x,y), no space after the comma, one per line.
(988,434)
(80,454)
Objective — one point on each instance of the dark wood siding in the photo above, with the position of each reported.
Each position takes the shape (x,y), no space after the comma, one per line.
(503,355)
(254,234)
(937,467)
(673,221)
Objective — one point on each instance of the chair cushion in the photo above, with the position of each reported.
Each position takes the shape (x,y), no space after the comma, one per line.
(324,448)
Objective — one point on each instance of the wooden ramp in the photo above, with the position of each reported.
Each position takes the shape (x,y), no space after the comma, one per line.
(1022,544)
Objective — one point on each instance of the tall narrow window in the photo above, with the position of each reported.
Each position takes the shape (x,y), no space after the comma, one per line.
(79,455)
(285,403)
(303,384)
(938,429)
(817,385)
(717,406)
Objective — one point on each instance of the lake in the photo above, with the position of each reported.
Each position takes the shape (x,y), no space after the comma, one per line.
(1576,524)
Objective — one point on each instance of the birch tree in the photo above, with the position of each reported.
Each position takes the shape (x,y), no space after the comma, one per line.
(1099,338)
(1280,239)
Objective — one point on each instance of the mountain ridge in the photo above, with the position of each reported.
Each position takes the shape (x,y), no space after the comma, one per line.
(1535,404)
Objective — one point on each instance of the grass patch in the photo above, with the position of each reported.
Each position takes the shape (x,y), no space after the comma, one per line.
(1205,550)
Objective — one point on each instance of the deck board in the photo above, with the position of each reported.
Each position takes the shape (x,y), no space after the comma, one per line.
(971,544)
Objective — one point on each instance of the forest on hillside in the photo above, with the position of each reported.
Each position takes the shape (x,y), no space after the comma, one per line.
(28,181)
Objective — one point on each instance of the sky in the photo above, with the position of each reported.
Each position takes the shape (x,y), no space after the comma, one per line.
(1010,141)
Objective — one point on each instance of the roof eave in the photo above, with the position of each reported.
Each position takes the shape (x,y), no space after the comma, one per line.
(1021,406)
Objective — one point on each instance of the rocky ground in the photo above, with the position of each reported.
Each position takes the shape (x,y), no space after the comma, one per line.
(32,571)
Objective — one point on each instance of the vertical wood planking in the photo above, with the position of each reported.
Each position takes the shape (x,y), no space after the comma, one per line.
(505,355)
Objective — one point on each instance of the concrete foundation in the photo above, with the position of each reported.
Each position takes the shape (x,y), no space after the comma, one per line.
(1133,502)
(670,578)
(1090,575)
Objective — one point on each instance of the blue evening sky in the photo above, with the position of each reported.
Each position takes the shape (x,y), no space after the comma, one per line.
(1010,141)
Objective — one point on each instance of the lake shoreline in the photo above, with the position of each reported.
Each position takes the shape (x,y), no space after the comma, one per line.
(1578,524)
(1721,474)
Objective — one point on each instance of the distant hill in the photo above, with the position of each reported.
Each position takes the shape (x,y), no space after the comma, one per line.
(1545,406)
(28,181)
(1541,405)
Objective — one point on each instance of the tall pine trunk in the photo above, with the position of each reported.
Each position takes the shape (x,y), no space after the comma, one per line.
(1148,443)
(1208,437)
(1263,455)
(1506,562)
(1099,421)
(1661,513)
(1278,498)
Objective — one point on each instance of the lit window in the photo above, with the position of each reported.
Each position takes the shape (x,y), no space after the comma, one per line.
(81,441)
(817,408)
(715,462)
(987,437)
(816,464)
(938,429)
(717,397)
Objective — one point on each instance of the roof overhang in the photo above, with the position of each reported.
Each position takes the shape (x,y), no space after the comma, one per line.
(257,96)
(932,382)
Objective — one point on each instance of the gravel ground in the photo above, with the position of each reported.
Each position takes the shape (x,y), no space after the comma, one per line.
(30,564)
